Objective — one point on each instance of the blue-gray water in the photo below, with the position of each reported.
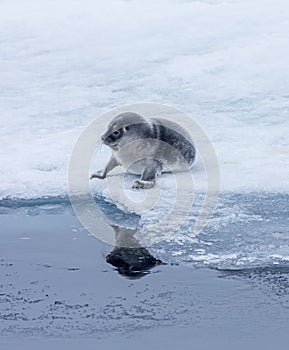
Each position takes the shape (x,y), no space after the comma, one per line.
(58,290)
(246,231)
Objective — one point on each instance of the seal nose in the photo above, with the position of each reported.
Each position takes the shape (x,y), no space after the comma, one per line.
(102,138)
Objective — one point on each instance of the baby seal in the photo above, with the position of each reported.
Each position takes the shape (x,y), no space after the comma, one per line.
(146,147)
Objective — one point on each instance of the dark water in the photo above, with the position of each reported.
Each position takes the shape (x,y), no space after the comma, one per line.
(57,288)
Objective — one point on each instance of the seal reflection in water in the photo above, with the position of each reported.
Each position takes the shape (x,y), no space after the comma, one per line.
(128,256)
(146,147)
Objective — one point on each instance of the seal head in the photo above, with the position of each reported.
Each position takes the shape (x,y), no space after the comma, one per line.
(124,128)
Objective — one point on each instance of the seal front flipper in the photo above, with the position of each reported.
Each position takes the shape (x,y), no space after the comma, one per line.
(112,163)
(149,175)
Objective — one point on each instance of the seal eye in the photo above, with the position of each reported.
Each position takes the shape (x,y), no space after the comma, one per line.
(126,128)
(116,133)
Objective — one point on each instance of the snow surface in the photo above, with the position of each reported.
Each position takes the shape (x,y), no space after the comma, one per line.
(65,62)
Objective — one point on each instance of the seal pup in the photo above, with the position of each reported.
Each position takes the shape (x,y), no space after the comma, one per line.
(146,147)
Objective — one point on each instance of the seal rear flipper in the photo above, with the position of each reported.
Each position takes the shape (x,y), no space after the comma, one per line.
(149,175)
